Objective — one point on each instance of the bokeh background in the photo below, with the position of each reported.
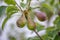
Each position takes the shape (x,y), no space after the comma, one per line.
(11,30)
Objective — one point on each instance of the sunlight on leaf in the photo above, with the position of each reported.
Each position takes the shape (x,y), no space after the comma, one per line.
(11,10)
(10,2)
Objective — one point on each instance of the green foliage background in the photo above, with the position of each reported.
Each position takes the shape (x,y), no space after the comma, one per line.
(50,7)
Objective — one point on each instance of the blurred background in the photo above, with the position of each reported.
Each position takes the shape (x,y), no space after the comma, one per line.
(12,32)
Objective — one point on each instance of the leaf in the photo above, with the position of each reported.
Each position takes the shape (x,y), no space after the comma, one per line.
(57,37)
(50,29)
(58,25)
(10,2)
(28,1)
(2,10)
(52,2)
(45,37)
(22,5)
(57,22)
(51,32)
(47,6)
(32,15)
(34,38)
(50,35)
(4,22)
(11,10)
(39,27)
(12,38)
(22,0)
(59,1)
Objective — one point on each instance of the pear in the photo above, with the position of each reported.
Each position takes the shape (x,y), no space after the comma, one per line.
(30,24)
(21,21)
(41,16)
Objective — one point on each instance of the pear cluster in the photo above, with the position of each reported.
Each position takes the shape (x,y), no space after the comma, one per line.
(26,19)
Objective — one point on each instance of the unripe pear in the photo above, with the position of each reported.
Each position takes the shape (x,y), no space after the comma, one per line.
(31,24)
(41,16)
(21,21)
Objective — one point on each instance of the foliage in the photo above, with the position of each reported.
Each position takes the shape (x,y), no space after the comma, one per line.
(12,38)
(2,10)
(48,6)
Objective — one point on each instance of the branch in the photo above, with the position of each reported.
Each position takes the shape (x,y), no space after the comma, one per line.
(19,6)
(38,35)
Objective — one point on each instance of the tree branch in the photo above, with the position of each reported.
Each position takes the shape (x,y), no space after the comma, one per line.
(19,6)
(38,35)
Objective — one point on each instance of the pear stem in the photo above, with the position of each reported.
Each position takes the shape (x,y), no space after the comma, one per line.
(38,34)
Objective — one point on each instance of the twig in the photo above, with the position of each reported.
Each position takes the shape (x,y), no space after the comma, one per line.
(38,34)
(19,7)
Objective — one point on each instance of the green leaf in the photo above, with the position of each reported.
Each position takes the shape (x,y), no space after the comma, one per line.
(22,0)
(10,2)
(51,32)
(50,29)
(2,10)
(11,10)
(12,38)
(4,22)
(28,1)
(39,27)
(57,37)
(59,1)
(47,6)
(45,37)
(52,2)
(32,15)
(22,5)
(58,25)
(34,38)
(50,35)
(57,22)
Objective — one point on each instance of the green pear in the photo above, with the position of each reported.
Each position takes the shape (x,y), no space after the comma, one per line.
(30,24)
(21,21)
